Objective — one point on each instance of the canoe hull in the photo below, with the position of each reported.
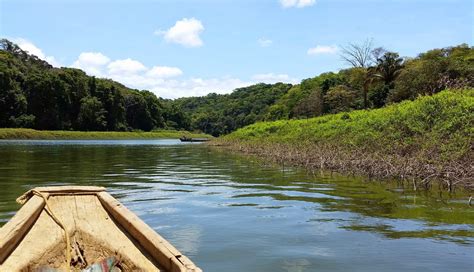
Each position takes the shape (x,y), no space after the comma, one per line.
(98,226)
(194,140)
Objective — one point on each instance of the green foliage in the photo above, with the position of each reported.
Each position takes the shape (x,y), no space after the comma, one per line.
(311,106)
(34,94)
(221,114)
(175,117)
(391,79)
(91,114)
(22,133)
(12,104)
(388,68)
(305,99)
(439,126)
(340,98)
(433,71)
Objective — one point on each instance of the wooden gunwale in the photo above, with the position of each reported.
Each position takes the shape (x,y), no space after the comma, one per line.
(15,229)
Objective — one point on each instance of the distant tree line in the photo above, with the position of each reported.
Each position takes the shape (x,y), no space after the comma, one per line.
(221,114)
(36,95)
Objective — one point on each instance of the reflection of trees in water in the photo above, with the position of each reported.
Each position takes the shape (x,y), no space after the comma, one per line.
(244,180)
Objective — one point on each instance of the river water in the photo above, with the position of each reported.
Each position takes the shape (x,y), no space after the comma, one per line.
(230,212)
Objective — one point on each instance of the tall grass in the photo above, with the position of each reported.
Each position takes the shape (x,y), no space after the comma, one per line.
(433,134)
(21,133)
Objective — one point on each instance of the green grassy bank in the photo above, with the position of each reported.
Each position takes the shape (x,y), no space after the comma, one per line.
(21,133)
(430,138)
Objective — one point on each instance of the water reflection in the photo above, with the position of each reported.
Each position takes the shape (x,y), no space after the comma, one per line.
(230,212)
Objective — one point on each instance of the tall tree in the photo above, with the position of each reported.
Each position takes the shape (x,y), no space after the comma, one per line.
(311,106)
(92,114)
(340,98)
(361,56)
(388,68)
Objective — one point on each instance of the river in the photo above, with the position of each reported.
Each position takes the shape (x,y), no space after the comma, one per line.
(230,212)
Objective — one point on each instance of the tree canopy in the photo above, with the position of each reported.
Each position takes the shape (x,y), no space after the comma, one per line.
(36,95)
(33,94)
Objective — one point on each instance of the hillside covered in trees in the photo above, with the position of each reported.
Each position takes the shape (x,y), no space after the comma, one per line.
(384,78)
(377,78)
(33,94)
(221,114)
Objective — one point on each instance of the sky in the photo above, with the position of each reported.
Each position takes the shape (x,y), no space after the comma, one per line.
(178,48)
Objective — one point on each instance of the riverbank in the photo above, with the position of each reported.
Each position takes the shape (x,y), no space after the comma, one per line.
(31,134)
(429,139)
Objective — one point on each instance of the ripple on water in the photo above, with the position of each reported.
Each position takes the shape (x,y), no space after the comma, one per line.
(229,213)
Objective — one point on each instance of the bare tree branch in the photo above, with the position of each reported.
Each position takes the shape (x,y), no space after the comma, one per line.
(358,55)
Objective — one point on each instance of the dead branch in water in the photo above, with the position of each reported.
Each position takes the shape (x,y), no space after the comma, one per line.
(420,171)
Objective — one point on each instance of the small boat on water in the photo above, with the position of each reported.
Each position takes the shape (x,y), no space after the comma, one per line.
(186,139)
(83,228)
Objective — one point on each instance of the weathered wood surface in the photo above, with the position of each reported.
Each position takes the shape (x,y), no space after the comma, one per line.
(96,221)
(15,229)
(162,250)
(69,189)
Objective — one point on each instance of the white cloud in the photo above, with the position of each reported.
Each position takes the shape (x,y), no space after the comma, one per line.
(125,67)
(263,42)
(164,81)
(323,49)
(198,86)
(164,72)
(91,62)
(273,78)
(34,50)
(185,32)
(297,3)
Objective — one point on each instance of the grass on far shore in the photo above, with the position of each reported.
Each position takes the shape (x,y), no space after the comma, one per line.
(31,134)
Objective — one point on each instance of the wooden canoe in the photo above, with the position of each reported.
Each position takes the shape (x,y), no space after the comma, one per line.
(185,139)
(98,227)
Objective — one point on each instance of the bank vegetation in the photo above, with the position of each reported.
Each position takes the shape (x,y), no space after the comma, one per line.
(31,134)
(425,140)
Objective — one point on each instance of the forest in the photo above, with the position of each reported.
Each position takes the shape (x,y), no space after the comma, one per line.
(377,77)
(34,94)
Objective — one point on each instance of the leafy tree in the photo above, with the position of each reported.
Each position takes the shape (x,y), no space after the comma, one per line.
(388,68)
(220,114)
(35,94)
(175,117)
(92,114)
(155,109)
(43,101)
(12,101)
(340,98)
(138,116)
(311,106)
(113,102)
(361,56)
(434,71)
(378,95)
(276,112)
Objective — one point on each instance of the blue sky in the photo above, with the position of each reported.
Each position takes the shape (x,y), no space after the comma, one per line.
(188,48)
